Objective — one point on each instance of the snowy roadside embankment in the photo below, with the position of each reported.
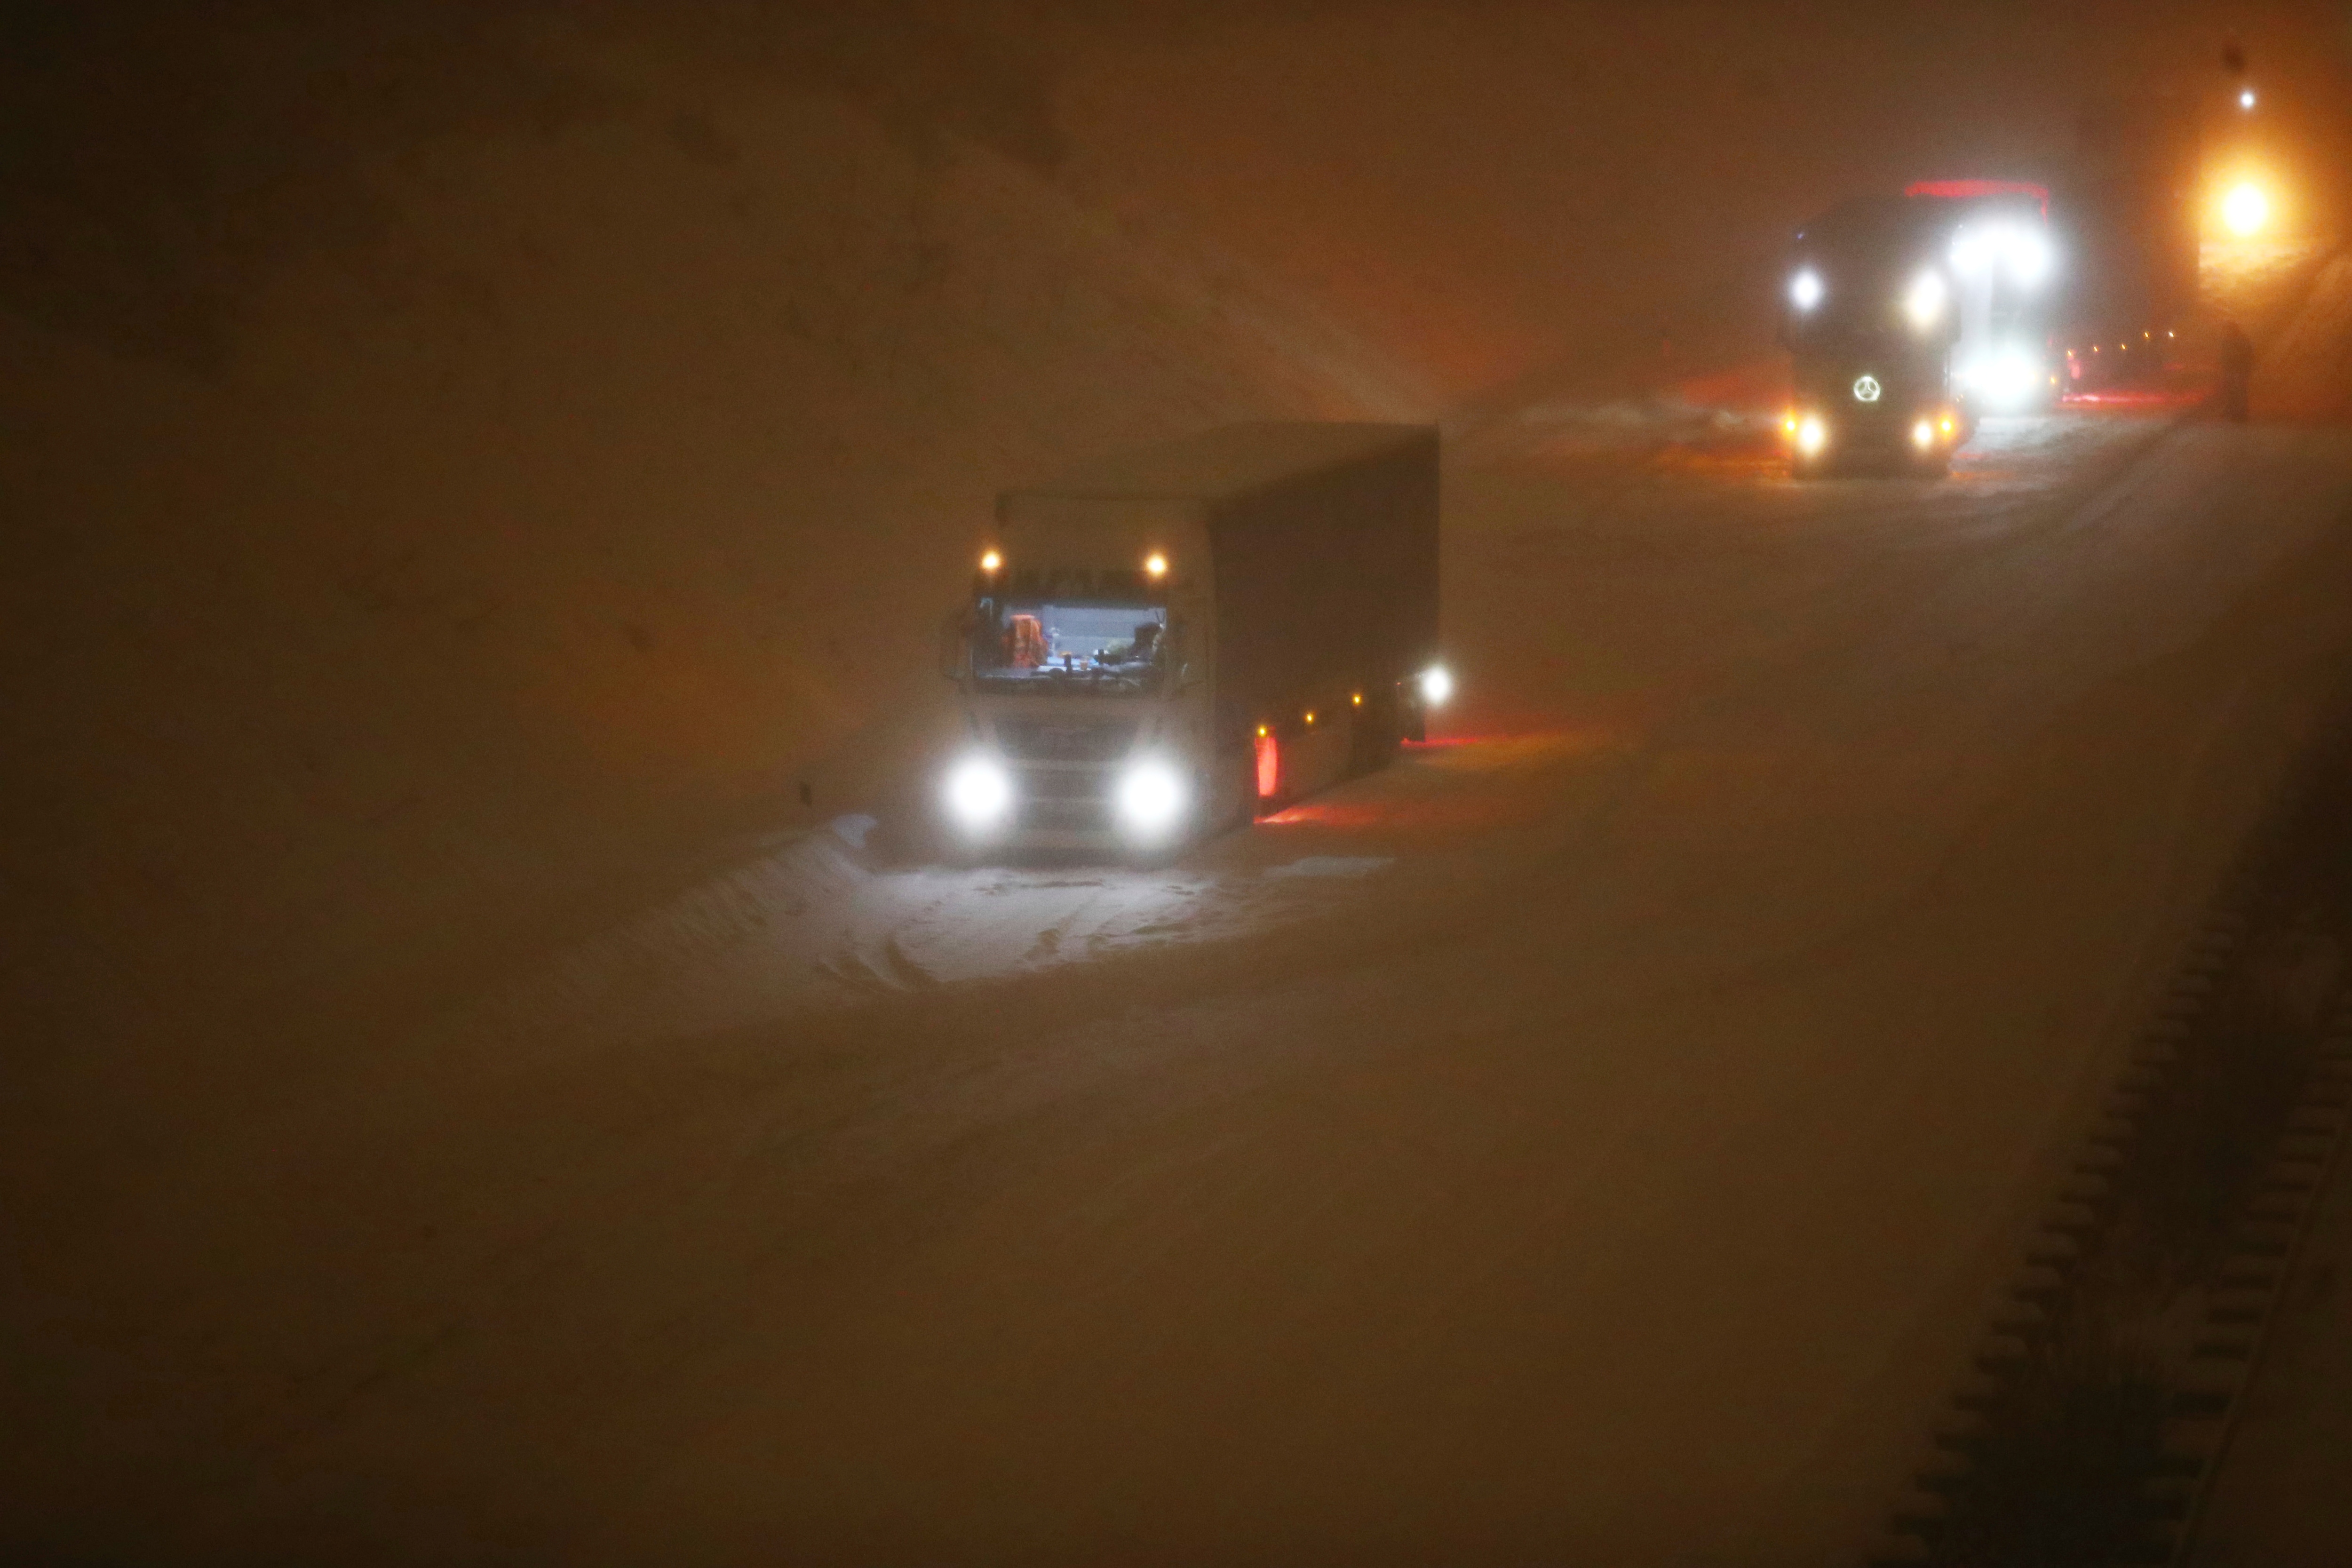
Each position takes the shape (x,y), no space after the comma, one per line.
(573,505)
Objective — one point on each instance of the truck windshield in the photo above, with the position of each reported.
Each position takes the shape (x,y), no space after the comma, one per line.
(1051,647)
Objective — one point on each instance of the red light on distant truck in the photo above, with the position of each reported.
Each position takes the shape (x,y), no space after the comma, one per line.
(1976,190)
(1269,765)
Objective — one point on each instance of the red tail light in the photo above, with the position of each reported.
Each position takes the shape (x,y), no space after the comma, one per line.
(1269,766)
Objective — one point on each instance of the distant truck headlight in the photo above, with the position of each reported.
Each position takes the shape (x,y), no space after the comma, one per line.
(1151,798)
(1805,289)
(2005,381)
(1436,685)
(2030,260)
(977,793)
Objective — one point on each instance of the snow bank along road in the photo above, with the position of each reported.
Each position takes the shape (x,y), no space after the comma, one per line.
(1595,1139)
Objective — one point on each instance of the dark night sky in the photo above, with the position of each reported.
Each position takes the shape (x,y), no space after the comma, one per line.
(1505,184)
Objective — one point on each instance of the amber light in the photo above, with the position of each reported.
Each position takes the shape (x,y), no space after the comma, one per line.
(990,561)
(1156,564)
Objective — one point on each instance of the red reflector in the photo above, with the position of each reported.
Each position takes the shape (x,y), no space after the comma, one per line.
(1269,768)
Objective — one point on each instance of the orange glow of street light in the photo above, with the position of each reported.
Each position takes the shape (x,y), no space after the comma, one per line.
(2245,210)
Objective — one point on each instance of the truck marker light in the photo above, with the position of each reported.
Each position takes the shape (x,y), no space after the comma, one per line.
(1436,685)
(1948,418)
(1357,698)
(977,792)
(1156,564)
(1310,718)
(990,561)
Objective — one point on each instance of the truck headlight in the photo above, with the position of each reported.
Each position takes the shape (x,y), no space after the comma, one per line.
(1436,685)
(1812,435)
(977,793)
(1925,302)
(1149,797)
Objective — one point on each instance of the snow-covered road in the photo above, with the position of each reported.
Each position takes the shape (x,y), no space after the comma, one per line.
(1594,1140)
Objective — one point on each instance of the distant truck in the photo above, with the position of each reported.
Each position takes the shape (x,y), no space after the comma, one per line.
(2005,273)
(1869,317)
(1181,638)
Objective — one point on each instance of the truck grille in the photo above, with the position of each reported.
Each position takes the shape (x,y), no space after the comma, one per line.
(1066,741)
(1064,799)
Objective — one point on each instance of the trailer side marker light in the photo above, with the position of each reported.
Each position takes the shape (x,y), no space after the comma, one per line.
(1310,716)
(990,561)
(1358,700)
(1156,564)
